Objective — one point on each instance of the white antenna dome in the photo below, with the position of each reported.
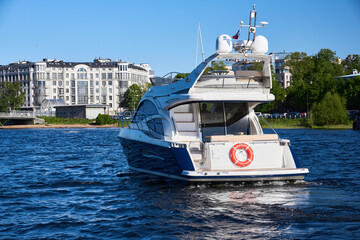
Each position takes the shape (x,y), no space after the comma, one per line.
(224,44)
(260,45)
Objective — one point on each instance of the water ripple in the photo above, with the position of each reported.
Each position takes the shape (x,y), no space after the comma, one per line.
(76,184)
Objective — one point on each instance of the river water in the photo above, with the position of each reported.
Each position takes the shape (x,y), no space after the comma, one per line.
(76,184)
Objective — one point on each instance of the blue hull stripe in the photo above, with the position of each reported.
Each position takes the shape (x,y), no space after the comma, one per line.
(183,158)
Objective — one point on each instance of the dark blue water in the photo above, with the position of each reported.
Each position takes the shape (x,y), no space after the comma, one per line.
(76,184)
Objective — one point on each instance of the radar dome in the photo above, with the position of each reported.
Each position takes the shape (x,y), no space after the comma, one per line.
(224,44)
(260,45)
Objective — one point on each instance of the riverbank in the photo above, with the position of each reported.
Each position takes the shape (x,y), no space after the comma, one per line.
(275,123)
(58,126)
(300,123)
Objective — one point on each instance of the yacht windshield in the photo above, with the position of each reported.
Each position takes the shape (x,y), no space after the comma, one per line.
(223,118)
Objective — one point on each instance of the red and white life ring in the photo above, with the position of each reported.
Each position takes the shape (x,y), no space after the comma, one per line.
(241,155)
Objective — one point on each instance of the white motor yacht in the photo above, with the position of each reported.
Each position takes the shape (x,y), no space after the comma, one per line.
(204,128)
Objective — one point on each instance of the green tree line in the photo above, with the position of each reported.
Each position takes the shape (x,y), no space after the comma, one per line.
(316,85)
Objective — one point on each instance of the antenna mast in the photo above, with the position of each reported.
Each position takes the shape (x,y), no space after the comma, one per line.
(245,46)
(197,45)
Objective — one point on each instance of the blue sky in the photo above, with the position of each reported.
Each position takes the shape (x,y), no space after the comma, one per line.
(164,33)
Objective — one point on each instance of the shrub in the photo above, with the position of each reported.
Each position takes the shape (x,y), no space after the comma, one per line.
(102,119)
(55,120)
(331,110)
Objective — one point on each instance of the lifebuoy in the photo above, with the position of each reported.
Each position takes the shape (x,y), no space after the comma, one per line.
(241,155)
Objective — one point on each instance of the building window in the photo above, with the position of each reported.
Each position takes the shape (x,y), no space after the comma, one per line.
(82,92)
(54,83)
(97,83)
(110,90)
(67,83)
(67,75)
(67,90)
(96,75)
(110,98)
(103,83)
(91,76)
(103,76)
(81,73)
(54,76)
(54,90)
(110,83)
(109,75)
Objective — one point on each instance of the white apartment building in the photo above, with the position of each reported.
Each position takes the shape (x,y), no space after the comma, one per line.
(282,72)
(99,82)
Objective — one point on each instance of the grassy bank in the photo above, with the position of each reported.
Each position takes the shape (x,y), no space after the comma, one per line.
(283,123)
(78,121)
(299,123)
(55,120)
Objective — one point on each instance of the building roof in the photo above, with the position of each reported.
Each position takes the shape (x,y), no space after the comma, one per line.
(97,63)
(51,103)
(84,105)
(137,67)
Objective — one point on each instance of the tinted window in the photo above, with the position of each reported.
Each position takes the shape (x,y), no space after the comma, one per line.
(156,125)
(218,118)
(148,108)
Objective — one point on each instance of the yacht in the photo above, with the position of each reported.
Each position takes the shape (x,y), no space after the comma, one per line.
(203,128)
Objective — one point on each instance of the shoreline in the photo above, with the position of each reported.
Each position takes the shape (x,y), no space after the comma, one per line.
(41,126)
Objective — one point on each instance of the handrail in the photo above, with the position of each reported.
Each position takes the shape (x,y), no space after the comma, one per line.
(18,113)
(268,124)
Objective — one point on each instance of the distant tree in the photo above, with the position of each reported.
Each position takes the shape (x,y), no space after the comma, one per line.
(12,96)
(326,68)
(145,87)
(350,90)
(181,75)
(312,78)
(350,63)
(135,93)
(330,110)
(215,66)
(298,62)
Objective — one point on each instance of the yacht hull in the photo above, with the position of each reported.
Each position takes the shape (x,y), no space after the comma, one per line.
(156,159)
(176,163)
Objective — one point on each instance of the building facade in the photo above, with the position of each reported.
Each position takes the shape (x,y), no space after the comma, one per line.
(282,72)
(99,82)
